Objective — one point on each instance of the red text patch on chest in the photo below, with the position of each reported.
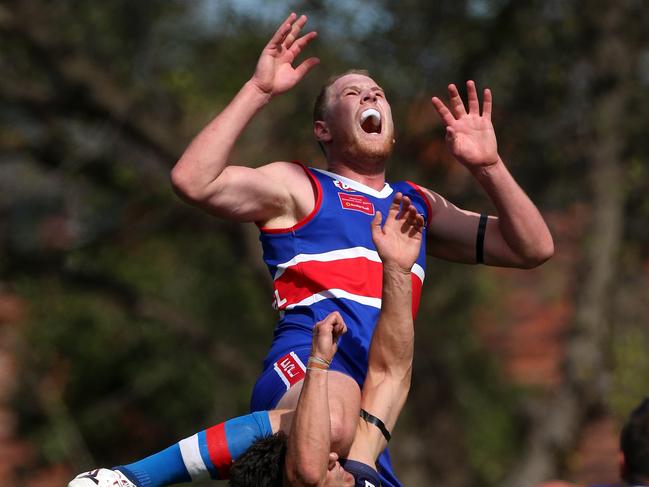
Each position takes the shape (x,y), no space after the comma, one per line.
(356,203)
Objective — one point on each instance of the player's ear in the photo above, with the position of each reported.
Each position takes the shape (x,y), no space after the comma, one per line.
(622,464)
(321,131)
(333,458)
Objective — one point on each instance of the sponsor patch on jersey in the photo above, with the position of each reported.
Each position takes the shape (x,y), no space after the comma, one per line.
(290,369)
(345,187)
(356,203)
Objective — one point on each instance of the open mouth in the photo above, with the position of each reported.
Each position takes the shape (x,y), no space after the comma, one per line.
(371,121)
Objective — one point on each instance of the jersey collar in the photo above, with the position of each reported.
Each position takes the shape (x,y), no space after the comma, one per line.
(384,193)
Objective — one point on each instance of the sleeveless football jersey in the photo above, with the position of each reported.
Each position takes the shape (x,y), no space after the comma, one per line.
(327,262)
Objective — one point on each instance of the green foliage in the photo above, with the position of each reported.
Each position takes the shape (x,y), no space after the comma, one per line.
(631,369)
(482,400)
(148,319)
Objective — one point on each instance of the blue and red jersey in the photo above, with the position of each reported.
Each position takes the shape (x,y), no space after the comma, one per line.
(327,262)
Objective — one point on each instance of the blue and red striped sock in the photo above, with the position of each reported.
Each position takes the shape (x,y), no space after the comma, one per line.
(207,454)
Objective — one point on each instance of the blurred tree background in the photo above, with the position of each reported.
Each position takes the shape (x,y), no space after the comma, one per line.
(129,320)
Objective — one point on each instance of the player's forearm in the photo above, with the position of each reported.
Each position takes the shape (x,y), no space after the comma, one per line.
(520,222)
(390,357)
(309,442)
(391,348)
(207,155)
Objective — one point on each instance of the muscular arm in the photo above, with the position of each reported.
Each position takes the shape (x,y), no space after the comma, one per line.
(518,236)
(235,192)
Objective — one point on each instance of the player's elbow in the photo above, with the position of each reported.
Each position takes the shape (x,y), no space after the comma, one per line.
(539,253)
(184,184)
(191,186)
(343,429)
(305,474)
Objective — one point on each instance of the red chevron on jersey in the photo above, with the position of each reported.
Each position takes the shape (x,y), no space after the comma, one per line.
(355,274)
(358,279)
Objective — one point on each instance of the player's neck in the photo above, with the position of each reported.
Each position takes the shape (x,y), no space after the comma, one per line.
(371,176)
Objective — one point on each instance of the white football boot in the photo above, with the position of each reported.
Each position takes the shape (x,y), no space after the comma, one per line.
(101,477)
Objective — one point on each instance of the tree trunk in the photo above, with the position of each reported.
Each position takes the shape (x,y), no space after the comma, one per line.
(557,421)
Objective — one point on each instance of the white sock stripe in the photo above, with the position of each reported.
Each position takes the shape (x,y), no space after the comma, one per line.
(192,459)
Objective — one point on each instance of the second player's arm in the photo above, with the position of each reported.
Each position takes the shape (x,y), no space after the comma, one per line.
(391,351)
(390,366)
(309,447)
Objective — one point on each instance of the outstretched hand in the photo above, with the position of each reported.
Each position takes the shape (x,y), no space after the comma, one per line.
(470,136)
(326,334)
(398,241)
(275,73)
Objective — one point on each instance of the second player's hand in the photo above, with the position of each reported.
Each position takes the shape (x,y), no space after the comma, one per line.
(398,241)
(470,135)
(275,73)
(326,334)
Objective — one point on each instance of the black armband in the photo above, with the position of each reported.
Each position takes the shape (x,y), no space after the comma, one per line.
(479,241)
(369,418)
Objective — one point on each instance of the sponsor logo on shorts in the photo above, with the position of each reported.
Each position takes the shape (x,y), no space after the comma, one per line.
(345,187)
(369,484)
(356,203)
(290,369)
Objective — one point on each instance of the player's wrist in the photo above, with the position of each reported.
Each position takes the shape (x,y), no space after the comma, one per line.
(396,269)
(260,96)
(487,170)
(488,164)
(317,363)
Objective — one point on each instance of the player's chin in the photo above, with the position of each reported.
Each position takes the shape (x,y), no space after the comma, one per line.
(348,479)
(376,147)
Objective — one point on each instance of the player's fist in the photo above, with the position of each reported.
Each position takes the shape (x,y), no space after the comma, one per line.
(325,336)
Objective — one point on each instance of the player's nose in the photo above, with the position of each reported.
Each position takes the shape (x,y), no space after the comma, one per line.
(368,96)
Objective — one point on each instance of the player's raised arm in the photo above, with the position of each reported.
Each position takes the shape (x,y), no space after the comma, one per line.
(387,383)
(202,176)
(518,236)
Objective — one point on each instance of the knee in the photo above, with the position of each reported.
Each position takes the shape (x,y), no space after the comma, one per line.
(344,405)
(343,429)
